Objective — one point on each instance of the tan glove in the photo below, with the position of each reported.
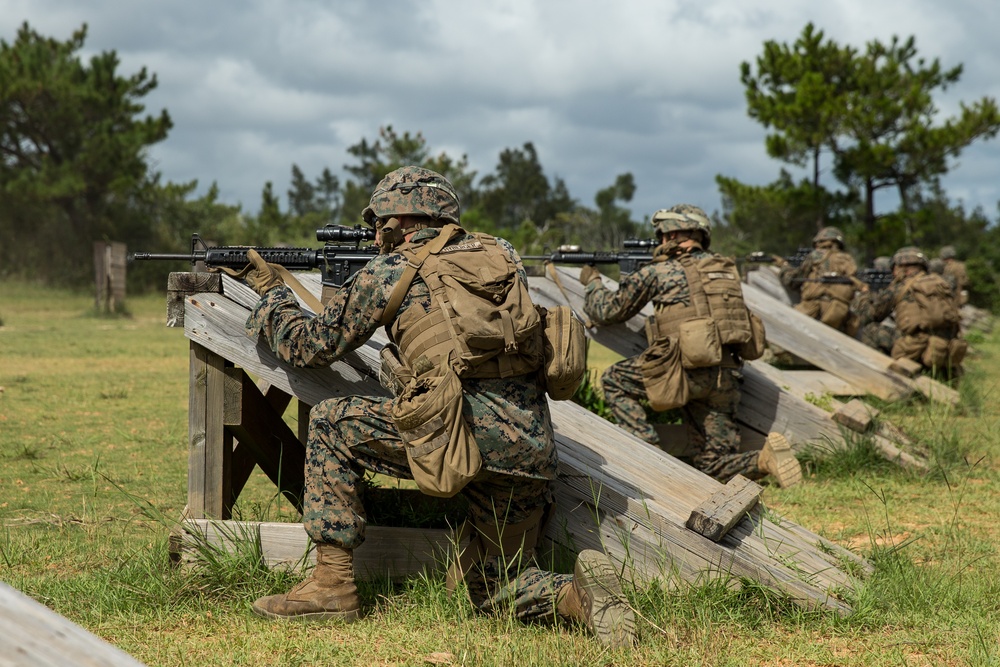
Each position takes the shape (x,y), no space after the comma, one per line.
(778,261)
(588,274)
(260,275)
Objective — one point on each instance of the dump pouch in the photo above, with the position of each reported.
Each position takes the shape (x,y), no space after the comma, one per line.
(935,355)
(909,347)
(440,448)
(663,375)
(833,312)
(957,347)
(565,351)
(699,342)
(754,348)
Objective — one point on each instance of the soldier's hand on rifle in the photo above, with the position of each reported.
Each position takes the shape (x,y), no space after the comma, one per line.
(779,261)
(588,274)
(260,275)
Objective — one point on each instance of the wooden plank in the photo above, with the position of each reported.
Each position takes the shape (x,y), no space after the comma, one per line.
(180,285)
(387,552)
(715,517)
(210,447)
(906,367)
(616,492)
(767,279)
(855,415)
(819,382)
(35,635)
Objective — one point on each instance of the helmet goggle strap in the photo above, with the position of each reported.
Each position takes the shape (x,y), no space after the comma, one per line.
(390,234)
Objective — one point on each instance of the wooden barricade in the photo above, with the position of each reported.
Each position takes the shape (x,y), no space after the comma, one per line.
(614,492)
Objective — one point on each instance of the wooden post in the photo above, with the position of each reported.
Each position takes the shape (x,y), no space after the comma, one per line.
(109,275)
(210,446)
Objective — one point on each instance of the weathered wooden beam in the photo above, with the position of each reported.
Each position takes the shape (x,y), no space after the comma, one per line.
(906,367)
(715,517)
(35,635)
(181,285)
(388,552)
(855,415)
(209,445)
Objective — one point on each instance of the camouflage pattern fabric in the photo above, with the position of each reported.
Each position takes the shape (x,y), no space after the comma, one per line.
(956,274)
(509,419)
(715,392)
(709,416)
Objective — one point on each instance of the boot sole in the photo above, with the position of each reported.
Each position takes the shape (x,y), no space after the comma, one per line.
(311,617)
(612,620)
(779,455)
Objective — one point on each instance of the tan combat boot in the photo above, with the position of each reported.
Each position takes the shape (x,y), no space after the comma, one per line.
(778,460)
(594,598)
(328,593)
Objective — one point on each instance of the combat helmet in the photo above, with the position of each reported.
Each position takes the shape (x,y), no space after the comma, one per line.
(882,263)
(909,255)
(683,217)
(947,252)
(830,234)
(413,191)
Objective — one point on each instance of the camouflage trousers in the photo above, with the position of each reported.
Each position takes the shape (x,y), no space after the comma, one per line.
(350,435)
(709,416)
(879,336)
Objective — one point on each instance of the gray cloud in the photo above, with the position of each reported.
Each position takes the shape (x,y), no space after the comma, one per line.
(646,86)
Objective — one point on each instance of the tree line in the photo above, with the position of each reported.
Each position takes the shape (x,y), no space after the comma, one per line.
(74,168)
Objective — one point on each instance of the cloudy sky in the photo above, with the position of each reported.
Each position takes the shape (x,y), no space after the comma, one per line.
(649,87)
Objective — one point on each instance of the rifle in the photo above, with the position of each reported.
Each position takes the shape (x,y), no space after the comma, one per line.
(795,260)
(341,257)
(876,279)
(628,261)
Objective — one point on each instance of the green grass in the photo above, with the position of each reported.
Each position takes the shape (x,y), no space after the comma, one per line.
(93,473)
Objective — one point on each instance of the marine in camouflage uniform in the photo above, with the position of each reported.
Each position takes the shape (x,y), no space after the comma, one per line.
(710,413)
(509,419)
(877,310)
(826,281)
(955,273)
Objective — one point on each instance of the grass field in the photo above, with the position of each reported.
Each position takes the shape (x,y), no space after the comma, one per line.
(93,457)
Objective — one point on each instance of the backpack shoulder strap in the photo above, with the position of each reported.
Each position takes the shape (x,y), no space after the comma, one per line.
(414,261)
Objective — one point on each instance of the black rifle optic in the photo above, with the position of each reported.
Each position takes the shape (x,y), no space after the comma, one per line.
(795,260)
(637,252)
(341,257)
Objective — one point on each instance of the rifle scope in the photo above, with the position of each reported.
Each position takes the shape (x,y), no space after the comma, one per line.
(342,234)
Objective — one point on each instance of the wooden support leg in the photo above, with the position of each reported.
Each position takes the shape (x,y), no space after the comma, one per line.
(209,445)
(261,432)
